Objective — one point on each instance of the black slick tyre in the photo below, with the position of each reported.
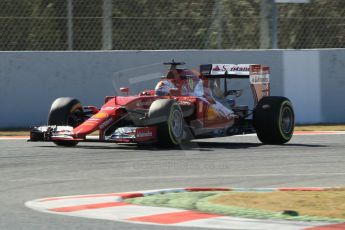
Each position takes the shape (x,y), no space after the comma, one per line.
(64,111)
(167,115)
(274,120)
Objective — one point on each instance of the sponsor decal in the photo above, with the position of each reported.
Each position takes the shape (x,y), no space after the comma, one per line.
(108,108)
(106,123)
(211,113)
(231,68)
(145,134)
(238,68)
(185,102)
(259,79)
(216,68)
(260,75)
(220,69)
(100,115)
(92,120)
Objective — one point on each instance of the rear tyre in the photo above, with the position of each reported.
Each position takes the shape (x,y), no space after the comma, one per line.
(64,111)
(168,117)
(274,120)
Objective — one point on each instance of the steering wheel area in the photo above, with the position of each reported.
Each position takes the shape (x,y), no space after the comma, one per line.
(233,92)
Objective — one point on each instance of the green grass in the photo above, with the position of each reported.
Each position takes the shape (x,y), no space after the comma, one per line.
(215,202)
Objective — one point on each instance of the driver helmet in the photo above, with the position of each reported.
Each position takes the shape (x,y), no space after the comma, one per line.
(163,88)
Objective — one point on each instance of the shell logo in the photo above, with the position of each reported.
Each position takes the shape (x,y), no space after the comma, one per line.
(100,115)
(211,114)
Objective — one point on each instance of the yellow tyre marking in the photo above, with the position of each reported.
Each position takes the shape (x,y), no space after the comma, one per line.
(172,138)
(280,119)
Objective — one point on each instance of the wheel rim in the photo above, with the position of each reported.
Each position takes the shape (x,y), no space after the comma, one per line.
(177,123)
(287,120)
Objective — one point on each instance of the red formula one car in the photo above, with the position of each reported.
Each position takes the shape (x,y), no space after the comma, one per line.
(184,105)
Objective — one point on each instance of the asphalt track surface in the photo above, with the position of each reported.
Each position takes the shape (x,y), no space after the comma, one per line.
(35,170)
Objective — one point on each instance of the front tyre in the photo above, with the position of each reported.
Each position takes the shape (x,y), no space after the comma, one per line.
(65,111)
(168,117)
(274,120)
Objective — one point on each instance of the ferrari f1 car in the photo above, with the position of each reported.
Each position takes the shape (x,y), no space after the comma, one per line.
(184,105)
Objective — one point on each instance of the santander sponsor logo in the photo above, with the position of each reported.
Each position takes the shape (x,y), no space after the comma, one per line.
(216,68)
(230,68)
(239,68)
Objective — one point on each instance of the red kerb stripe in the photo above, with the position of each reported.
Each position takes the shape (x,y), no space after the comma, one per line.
(124,196)
(130,195)
(88,206)
(329,227)
(174,217)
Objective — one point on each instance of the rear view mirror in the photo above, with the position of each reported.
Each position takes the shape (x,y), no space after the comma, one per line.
(124,90)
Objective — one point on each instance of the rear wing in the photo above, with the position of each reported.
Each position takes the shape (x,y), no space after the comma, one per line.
(225,70)
(259,75)
(256,73)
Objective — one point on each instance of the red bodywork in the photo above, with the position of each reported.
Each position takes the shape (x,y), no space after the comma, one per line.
(205,117)
(111,112)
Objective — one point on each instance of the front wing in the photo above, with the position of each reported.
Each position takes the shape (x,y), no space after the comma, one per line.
(120,135)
